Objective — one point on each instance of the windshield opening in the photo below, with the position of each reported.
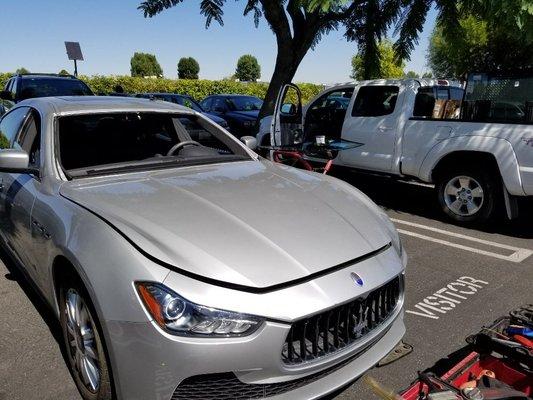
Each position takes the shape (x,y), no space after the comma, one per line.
(245,103)
(98,143)
(42,87)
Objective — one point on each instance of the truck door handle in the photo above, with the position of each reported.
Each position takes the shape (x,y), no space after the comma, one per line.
(383,128)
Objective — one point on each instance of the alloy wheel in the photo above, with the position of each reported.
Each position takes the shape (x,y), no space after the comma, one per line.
(81,341)
(463,195)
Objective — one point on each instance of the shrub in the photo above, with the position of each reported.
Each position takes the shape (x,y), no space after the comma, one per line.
(144,64)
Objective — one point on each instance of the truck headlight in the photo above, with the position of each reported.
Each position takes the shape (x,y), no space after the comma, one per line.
(179,316)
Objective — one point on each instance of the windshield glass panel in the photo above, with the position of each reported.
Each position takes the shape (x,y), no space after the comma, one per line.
(42,87)
(245,103)
(94,143)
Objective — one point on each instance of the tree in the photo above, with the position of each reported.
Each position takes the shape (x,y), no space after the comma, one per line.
(22,70)
(388,67)
(298,26)
(63,72)
(427,75)
(412,75)
(480,45)
(144,65)
(188,68)
(248,69)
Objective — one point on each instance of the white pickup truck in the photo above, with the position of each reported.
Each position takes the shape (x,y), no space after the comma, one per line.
(475,144)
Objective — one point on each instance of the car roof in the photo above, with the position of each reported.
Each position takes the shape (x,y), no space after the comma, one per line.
(45,76)
(83,104)
(231,95)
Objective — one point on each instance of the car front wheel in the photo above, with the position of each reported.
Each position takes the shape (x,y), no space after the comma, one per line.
(468,195)
(83,341)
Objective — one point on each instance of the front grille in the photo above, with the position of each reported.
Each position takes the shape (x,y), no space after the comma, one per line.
(333,330)
(226,386)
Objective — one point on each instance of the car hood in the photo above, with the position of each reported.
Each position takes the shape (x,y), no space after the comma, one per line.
(246,114)
(249,223)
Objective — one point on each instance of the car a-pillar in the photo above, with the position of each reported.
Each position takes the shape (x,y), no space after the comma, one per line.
(469,186)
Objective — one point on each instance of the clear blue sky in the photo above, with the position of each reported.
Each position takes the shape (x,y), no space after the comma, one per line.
(110,31)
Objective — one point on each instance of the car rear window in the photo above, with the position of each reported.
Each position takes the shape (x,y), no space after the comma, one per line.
(43,87)
(141,138)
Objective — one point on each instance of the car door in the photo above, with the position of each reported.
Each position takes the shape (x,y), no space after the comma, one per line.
(287,125)
(15,200)
(373,121)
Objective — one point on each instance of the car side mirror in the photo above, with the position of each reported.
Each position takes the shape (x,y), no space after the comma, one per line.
(15,161)
(250,142)
(6,95)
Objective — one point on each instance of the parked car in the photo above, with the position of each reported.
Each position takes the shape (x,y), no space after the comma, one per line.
(187,101)
(26,86)
(476,150)
(182,265)
(5,106)
(239,111)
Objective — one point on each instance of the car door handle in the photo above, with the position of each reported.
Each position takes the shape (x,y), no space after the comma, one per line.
(383,128)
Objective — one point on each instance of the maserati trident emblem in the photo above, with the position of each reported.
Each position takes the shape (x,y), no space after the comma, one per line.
(357,279)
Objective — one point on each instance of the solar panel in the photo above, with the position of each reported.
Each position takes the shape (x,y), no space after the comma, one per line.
(74,51)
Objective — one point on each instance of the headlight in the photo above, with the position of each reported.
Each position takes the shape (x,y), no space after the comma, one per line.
(179,316)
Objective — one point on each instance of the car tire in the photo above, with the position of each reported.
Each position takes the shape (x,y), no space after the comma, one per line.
(83,340)
(468,194)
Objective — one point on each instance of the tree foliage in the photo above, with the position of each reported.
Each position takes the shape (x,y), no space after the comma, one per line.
(64,72)
(248,69)
(427,75)
(411,75)
(188,68)
(481,44)
(145,65)
(22,70)
(388,66)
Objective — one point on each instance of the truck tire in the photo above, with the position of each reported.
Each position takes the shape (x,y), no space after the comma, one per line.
(468,194)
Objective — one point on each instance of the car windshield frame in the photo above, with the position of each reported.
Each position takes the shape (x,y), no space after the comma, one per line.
(255,100)
(38,83)
(182,99)
(239,151)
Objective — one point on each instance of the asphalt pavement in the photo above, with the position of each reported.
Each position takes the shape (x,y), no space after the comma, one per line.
(458,279)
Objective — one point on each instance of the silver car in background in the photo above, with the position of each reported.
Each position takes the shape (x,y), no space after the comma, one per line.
(182,265)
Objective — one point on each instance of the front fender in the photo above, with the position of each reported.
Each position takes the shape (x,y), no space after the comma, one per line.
(107,264)
(501,149)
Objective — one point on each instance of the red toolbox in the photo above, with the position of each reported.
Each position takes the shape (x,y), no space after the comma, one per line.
(497,353)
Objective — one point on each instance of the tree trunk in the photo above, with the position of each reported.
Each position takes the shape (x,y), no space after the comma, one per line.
(287,63)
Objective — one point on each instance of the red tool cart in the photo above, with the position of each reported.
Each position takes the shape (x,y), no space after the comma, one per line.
(500,367)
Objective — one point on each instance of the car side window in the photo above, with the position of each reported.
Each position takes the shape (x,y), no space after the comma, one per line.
(219,104)
(375,101)
(10,125)
(206,104)
(29,139)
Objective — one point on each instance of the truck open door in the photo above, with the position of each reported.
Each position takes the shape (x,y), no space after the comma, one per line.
(287,122)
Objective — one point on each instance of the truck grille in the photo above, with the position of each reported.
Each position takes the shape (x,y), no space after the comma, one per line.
(333,330)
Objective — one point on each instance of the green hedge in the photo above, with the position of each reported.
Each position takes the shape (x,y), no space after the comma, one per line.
(197,89)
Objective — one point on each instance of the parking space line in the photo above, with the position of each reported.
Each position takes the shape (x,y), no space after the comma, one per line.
(518,255)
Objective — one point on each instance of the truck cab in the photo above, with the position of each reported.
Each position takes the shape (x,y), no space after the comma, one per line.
(474,143)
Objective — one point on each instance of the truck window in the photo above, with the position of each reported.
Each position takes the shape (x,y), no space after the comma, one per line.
(499,99)
(375,101)
(438,102)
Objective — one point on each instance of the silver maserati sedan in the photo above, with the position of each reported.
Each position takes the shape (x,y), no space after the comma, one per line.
(181,265)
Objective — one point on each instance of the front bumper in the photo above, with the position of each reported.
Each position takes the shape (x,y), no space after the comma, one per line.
(149,363)
(151,367)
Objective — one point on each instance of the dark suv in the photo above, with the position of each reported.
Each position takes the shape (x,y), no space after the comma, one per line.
(26,86)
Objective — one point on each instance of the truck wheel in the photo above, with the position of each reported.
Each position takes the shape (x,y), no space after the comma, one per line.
(468,194)
(83,341)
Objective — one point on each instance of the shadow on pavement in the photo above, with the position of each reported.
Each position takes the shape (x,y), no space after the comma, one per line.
(47,314)
(420,200)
